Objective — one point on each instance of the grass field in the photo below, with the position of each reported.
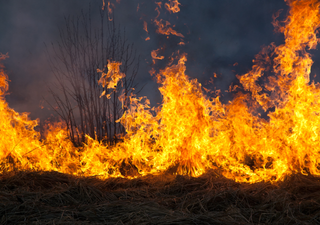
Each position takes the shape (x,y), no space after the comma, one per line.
(55,198)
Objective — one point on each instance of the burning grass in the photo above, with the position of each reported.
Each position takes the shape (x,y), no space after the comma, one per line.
(235,167)
(55,198)
(190,131)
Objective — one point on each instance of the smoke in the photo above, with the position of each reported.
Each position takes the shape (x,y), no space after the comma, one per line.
(217,35)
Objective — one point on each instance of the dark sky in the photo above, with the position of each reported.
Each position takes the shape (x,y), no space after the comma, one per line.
(218,34)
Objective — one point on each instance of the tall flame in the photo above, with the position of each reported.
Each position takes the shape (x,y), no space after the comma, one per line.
(190,132)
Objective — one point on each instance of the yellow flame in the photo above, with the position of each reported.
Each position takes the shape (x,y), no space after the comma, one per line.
(190,132)
(111,79)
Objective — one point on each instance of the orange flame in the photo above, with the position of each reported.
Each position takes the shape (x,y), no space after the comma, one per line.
(103,4)
(154,55)
(110,6)
(173,6)
(3,77)
(145,26)
(111,79)
(191,132)
(165,29)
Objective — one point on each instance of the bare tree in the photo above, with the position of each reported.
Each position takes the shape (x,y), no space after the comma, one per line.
(83,48)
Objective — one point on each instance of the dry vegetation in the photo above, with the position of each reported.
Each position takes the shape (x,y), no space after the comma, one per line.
(55,198)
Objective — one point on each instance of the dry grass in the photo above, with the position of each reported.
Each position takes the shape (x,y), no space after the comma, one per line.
(54,198)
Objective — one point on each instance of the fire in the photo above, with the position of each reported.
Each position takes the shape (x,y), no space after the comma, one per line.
(18,137)
(155,56)
(164,27)
(145,27)
(110,11)
(111,79)
(190,132)
(173,6)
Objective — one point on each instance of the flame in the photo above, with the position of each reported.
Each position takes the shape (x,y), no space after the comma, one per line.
(172,6)
(190,132)
(110,11)
(145,26)
(164,27)
(155,55)
(111,79)
(103,4)
(17,136)
(3,77)
(159,4)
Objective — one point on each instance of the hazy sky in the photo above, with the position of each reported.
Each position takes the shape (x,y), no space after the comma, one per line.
(218,34)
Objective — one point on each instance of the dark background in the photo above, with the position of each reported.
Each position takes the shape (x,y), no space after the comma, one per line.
(217,33)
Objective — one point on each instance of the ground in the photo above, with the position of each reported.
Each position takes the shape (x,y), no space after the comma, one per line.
(55,198)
